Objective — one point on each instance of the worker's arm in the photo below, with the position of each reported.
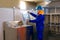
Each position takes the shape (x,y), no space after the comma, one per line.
(38,19)
(33,14)
(33,21)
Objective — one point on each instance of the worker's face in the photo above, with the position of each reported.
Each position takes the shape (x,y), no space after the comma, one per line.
(40,12)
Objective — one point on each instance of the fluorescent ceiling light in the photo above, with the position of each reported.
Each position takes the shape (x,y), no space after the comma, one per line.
(46,3)
(22,5)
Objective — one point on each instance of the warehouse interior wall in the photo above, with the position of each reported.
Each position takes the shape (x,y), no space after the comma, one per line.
(9,3)
(6,14)
(54,3)
(54,6)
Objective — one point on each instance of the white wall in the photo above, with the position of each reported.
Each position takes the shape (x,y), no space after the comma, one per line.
(18,14)
(6,14)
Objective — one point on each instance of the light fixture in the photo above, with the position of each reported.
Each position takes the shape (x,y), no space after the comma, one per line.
(22,5)
(47,2)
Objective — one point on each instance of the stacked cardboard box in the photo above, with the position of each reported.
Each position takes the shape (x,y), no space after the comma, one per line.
(24,32)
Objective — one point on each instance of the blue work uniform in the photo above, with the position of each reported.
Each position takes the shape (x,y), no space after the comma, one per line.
(39,25)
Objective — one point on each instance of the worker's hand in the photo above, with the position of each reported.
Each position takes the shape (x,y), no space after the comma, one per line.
(29,12)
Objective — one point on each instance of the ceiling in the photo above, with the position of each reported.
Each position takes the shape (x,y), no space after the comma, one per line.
(54,3)
(9,3)
(55,0)
(39,2)
(12,3)
(34,0)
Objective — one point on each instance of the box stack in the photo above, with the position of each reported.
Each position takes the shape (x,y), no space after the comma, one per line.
(23,32)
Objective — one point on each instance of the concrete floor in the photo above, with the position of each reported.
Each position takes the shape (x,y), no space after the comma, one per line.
(54,37)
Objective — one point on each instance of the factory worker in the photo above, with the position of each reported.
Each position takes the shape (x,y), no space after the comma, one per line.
(39,21)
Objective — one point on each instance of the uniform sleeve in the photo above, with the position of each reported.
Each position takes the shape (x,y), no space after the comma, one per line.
(38,19)
(33,21)
(33,14)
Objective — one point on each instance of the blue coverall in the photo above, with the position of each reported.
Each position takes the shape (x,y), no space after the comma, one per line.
(39,25)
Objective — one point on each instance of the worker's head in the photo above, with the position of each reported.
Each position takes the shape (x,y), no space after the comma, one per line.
(40,10)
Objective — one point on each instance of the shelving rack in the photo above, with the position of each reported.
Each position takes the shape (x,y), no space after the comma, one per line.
(53,21)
